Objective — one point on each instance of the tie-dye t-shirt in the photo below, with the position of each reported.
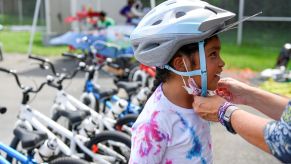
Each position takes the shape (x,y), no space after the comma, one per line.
(168,134)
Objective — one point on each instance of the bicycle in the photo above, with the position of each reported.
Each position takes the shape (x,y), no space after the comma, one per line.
(124,111)
(32,120)
(12,153)
(68,107)
(65,104)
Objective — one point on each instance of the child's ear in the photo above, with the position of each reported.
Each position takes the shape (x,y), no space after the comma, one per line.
(178,63)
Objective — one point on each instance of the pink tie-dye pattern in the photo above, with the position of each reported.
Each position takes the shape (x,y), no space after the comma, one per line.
(169,161)
(158,94)
(151,135)
(209,145)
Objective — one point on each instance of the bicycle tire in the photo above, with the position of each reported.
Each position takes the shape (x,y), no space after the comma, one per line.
(109,136)
(67,160)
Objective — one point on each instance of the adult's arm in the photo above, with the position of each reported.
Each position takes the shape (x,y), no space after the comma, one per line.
(271,136)
(247,125)
(268,103)
(251,128)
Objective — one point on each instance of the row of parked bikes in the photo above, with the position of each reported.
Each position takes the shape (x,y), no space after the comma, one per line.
(95,128)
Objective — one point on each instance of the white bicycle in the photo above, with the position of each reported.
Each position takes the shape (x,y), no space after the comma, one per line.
(33,125)
(66,105)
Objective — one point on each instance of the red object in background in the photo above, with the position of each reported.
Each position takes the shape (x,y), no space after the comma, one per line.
(70,19)
(71,48)
(149,70)
(83,14)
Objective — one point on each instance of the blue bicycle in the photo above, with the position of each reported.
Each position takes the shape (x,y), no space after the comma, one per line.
(17,156)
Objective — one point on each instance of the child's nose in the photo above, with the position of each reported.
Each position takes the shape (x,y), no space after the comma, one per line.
(221,63)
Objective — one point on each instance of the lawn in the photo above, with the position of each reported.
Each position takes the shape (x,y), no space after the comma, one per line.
(277,88)
(18,42)
(259,50)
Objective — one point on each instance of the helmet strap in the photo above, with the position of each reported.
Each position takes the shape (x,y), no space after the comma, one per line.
(203,68)
(201,72)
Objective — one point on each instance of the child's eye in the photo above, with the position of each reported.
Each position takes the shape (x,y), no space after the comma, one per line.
(213,55)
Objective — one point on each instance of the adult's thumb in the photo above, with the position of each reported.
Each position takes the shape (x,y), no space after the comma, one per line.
(223,83)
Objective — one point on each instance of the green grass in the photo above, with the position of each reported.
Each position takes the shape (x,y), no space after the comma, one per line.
(259,50)
(14,20)
(277,88)
(18,42)
(261,45)
(256,58)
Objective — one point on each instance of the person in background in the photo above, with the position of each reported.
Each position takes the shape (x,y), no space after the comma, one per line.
(126,11)
(269,135)
(104,21)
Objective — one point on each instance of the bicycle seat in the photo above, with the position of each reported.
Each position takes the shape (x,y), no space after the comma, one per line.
(29,139)
(74,116)
(104,94)
(130,87)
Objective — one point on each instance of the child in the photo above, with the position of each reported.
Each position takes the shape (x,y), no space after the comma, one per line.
(179,38)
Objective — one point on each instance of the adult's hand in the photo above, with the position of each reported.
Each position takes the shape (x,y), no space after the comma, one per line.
(233,91)
(207,107)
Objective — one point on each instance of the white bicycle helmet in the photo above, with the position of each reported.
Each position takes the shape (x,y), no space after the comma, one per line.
(173,24)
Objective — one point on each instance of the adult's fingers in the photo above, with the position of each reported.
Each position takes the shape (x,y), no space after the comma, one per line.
(223,83)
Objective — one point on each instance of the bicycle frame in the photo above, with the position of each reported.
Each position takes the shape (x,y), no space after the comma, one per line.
(94,96)
(64,101)
(14,154)
(33,117)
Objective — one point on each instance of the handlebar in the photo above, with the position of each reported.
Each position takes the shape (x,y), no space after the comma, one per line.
(26,89)
(80,57)
(44,61)
(13,72)
(86,67)
(60,76)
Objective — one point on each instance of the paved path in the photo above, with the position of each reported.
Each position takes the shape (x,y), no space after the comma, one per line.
(228,148)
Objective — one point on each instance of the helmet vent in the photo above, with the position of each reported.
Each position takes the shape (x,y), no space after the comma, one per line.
(151,46)
(180,14)
(135,46)
(157,22)
(171,3)
(211,9)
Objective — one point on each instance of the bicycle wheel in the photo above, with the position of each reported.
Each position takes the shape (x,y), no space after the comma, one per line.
(125,123)
(116,141)
(67,160)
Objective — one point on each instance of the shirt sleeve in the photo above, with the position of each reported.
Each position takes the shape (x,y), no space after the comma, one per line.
(278,136)
(149,142)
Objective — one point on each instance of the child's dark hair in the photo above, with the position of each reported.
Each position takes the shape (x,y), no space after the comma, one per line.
(163,74)
(102,14)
